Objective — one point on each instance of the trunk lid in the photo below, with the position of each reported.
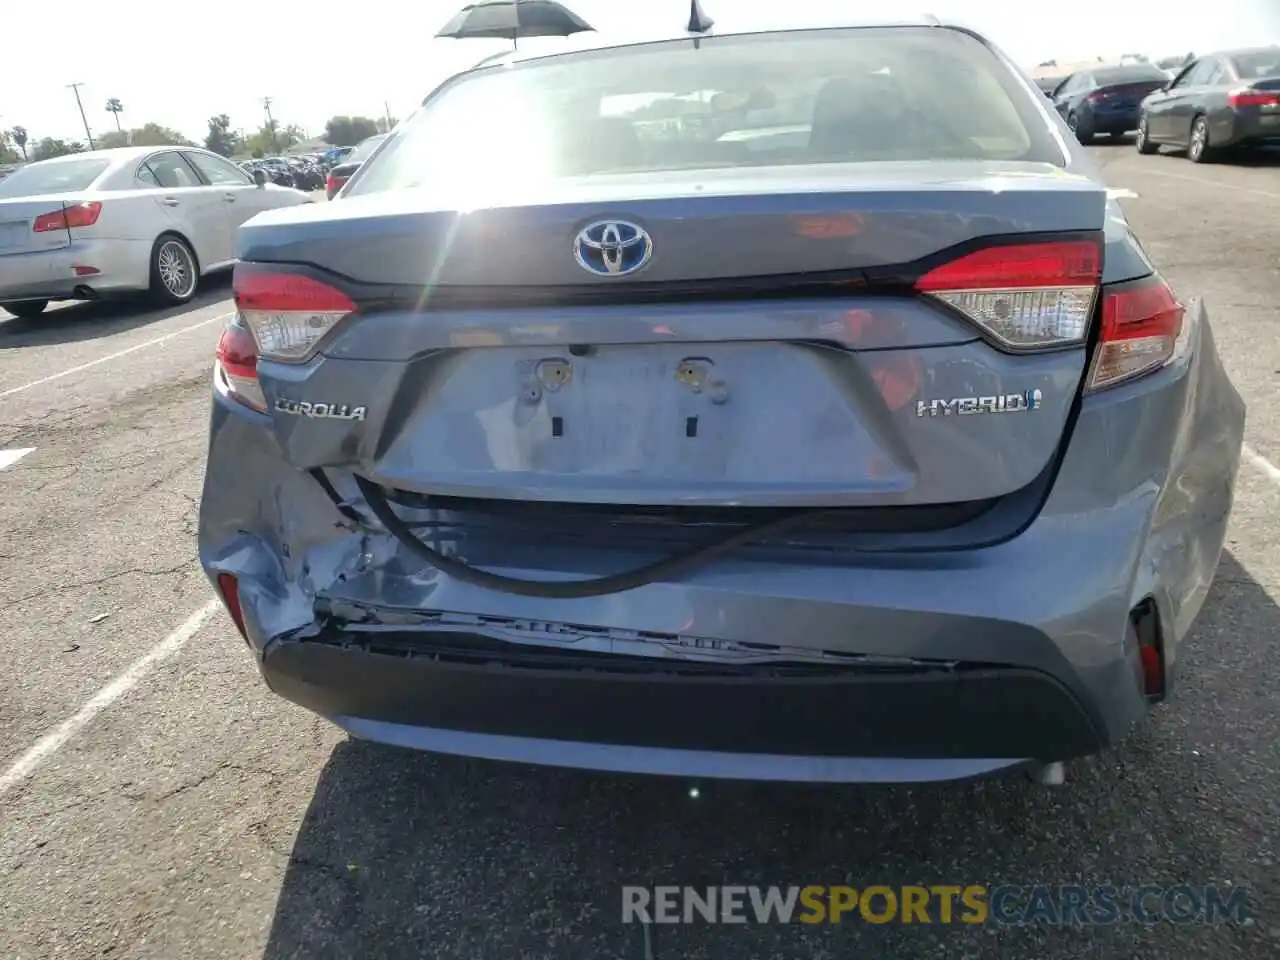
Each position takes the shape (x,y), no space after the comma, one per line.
(18,215)
(771,353)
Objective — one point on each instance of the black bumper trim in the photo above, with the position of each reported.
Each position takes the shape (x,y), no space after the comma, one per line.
(994,712)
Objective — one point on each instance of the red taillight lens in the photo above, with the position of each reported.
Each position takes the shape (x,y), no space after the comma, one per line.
(1141,322)
(229,587)
(78,215)
(334,184)
(1254,98)
(238,360)
(288,313)
(1025,295)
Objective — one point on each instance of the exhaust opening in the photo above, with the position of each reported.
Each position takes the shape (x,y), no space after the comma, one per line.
(1146,627)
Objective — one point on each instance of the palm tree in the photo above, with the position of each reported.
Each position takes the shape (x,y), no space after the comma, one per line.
(115,108)
(19,135)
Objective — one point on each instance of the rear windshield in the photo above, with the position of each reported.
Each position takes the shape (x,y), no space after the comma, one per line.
(1257,66)
(61,176)
(801,97)
(363,150)
(1138,73)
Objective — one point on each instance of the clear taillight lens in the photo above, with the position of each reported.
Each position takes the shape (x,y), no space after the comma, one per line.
(1141,323)
(287,313)
(1026,296)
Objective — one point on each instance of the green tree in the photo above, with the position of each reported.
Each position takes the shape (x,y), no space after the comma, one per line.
(348,131)
(147,135)
(221,139)
(267,142)
(7,153)
(51,147)
(115,108)
(19,135)
(387,124)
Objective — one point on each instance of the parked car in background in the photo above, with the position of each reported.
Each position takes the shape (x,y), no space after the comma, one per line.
(882,452)
(306,175)
(341,173)
(109,222)
(278,171)
(1222,101)
(1106,100)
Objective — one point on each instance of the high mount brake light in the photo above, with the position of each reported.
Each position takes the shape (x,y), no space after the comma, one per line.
(1028,295)
(1141,323)
(78,215)
(287,313)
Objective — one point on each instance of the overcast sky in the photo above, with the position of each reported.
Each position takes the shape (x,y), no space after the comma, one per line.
(180,63)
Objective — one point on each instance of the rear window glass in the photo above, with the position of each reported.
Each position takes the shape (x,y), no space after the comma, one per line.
(1138,73)
(60,176)
(364,149)
(802,97)
(1256,66)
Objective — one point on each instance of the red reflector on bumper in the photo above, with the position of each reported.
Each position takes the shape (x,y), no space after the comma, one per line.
(229,587)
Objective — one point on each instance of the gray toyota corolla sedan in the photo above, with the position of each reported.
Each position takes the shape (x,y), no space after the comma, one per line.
(789,405)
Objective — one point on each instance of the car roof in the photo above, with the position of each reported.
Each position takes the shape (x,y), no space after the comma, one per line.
(1243,51)
(117,154)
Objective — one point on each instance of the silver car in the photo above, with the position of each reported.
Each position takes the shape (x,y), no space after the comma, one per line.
(121,221)
(877,453)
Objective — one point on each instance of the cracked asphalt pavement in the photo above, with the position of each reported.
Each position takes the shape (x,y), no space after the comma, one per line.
(198,816)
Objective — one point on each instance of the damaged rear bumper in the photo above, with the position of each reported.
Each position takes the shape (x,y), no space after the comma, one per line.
(445,693)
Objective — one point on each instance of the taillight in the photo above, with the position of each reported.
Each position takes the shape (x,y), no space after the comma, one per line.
(1027,296)
(1141,321)
(287,313)
(238,361)
(334,184)
(1254,98)
(78,215)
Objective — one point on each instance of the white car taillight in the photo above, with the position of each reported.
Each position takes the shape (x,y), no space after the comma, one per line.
(287,313)
(1027,296)
(1141,323)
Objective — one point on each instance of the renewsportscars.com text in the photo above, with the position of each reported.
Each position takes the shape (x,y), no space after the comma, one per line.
(1060,905)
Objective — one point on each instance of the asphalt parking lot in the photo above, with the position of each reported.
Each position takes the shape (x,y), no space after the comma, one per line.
(176,809)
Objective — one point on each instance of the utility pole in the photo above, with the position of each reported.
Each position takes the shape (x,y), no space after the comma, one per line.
(88,134)
(271,124)
(386,111)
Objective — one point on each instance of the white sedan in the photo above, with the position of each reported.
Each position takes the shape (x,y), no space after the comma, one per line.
(120,221)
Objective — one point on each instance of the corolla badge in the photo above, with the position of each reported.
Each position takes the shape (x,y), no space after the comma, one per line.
(966,406)
(320,411)
(613,248)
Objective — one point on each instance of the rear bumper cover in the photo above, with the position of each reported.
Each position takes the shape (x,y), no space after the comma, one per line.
(51,274)
(1040,620)
(999,715)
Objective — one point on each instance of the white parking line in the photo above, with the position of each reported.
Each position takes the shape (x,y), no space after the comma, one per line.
(49,744)
(1211,183)
(9,457)
(1262,463)
(113,356)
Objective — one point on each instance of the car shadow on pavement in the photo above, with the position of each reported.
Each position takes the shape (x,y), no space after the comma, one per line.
(95,319)
(409,855)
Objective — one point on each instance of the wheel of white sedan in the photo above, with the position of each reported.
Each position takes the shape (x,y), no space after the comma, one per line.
(174,273)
